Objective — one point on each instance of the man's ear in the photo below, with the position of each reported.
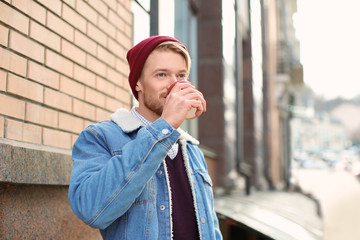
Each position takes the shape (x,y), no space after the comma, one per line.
(138,86)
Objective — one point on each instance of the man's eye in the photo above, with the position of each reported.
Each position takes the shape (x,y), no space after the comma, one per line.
(161,75)
(182,76)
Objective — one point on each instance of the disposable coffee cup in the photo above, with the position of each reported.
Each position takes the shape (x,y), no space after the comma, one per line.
(191,113)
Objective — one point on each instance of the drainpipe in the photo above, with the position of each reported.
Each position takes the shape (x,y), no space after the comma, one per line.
(241,167)
(154,17)
(266,157)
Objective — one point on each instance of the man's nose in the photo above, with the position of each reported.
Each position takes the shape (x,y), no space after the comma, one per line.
(172,82)
(173,79)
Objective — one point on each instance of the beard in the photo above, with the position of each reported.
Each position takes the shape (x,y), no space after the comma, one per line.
(154,104)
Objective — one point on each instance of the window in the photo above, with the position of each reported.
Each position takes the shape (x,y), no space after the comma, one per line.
(141,28)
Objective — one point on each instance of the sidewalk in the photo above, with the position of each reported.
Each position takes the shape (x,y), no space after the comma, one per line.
(339,195)
(276,214)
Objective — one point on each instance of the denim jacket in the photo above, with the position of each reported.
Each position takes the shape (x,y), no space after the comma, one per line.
(119,181)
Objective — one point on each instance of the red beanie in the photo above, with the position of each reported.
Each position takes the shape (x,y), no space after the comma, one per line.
(138,54)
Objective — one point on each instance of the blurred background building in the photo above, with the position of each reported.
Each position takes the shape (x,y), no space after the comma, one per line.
(63,66)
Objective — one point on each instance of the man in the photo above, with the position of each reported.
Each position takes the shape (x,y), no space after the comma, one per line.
(139,176)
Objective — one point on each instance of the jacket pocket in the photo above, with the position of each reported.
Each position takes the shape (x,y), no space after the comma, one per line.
(205,177)
(205,184)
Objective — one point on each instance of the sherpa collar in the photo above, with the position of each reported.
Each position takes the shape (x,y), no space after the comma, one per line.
(128,123)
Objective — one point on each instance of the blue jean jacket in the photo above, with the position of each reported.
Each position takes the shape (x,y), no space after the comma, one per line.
(119,181)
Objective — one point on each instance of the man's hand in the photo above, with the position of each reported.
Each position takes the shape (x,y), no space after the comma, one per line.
(182,97)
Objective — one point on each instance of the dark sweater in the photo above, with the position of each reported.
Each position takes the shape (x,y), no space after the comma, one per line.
(183,213)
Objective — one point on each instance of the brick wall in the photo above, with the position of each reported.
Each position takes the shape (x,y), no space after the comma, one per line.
(62,66)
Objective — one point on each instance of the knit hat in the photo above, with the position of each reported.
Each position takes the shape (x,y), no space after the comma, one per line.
(138,54)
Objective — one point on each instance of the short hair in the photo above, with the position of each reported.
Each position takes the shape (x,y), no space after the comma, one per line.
(177,48)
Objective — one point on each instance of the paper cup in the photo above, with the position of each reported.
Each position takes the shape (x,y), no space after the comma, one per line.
(191,113)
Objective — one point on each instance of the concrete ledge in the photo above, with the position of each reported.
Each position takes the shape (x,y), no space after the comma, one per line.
(30,164)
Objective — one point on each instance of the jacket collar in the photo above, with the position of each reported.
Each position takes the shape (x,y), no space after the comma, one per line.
(128,123)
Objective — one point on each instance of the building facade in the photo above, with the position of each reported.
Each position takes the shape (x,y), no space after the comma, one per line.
(63,66)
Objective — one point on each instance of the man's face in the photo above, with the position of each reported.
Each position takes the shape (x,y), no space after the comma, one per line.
(161,69)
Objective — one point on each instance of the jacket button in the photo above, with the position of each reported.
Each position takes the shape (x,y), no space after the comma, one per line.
(203,220)
(165,131)
(162,207)
(159,172)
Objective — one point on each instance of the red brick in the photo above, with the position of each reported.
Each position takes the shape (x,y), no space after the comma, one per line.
(107,27)
(124,13)
(73,139)
(113,75)
(111,3)
(83,109)
(117,49)
(94,97)
(43,35)
(88,12)
(116,20)
(105,86)
(13,130)
(87,123)
(12,62)
(112,104)
(124,39)
(56,138)
(71,87)
(43,75)
(2,127)
(126,3)
(14,18)
(74,18)
(123,95)
(26,46)
(41,115)
(122,66)
(85,76)
(31,8)
(4,35)
(96,65)
(102,115)
(129,23)
(96,34)
(70,123)
(57,100)
(85,43)
(106,56)
(12,107)
(99,6)
(59,63)
(74,53)
(59,26)
(22,132)
(71,3)
(128,30)
(3,76)
(53,5)
(25,88)
(124,82)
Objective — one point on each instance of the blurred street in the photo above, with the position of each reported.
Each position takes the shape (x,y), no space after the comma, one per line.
(338,193)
